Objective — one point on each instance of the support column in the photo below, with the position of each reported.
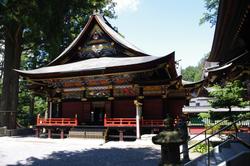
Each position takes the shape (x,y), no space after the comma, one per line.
(50,109)
(164,100)
(121,134)
(46,114)
(37,132)
(138,117)
(49,133)
(62,134)
(57,109)
(111,108)
(184,130)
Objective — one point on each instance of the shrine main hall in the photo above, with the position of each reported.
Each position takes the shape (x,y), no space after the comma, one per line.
(101,82)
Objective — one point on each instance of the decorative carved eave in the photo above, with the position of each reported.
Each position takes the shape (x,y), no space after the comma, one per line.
(193,88)
(98,26)
(176,93)
(232,28)
(125,65)
(192,85)
(103,66)
(233,73)
(237,68)
(118,91)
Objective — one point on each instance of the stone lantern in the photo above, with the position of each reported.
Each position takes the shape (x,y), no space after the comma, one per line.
(170,140)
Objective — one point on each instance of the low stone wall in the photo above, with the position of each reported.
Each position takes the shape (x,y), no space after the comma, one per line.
(16,132)
(2,131)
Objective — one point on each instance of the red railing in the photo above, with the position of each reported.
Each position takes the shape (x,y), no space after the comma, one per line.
(131,122)
(56,121)
(119,122)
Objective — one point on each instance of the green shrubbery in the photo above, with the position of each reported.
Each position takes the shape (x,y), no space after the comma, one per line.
(201,148)
(213,129)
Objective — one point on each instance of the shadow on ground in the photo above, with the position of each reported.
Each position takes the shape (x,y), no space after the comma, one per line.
(99,157)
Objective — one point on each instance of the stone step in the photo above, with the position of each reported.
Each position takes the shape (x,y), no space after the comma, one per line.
(215,159)
(238,147)
(201,163)
(245,137)
(241,159)
(217,155)
(97,134)
(227,153)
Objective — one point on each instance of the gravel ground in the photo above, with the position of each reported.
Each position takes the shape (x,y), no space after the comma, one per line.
(87,152)
(46,152)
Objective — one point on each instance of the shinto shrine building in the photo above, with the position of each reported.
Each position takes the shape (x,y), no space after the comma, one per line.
(101,80)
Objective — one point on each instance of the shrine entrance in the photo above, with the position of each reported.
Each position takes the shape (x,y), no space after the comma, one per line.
(97,112)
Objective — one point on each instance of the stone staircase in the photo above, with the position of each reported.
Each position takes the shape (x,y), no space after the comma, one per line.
(96,133)
(229,153)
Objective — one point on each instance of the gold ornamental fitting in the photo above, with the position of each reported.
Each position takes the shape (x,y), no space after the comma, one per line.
(141,97)
(111,98)
(84,99)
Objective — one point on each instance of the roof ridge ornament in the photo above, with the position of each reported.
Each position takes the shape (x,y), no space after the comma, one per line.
(98,12)
(95,12)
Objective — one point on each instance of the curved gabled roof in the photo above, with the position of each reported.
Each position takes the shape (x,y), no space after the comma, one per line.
(103,65)
(105,26)
(190,83)
(231,31)
(115,36)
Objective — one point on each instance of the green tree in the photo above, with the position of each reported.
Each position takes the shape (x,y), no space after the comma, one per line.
(230,95)
(190,73)
(194,73)
(31,25)
(212,11)
(29,105)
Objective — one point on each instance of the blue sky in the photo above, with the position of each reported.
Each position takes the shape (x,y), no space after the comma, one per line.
(161,26)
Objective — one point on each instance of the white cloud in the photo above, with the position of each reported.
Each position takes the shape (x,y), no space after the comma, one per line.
(125,5)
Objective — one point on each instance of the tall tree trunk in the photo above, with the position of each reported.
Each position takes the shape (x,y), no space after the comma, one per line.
(12,54)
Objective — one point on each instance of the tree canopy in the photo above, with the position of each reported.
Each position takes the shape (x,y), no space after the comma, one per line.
(212,11)
(191,73)
(194,73)
(39,30)
(232,94)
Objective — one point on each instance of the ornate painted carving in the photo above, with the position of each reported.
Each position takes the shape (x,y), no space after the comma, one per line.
(72,95)
(126,91)
(97,93)
(96,45)
(152,90)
